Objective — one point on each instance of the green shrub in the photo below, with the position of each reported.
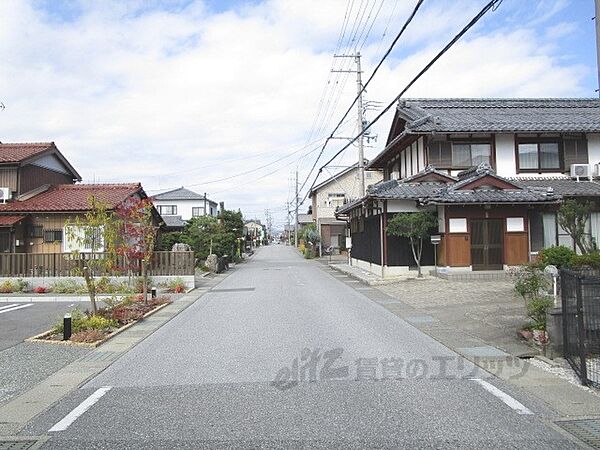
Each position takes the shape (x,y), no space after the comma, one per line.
(9,286)
(82,322)
(139,284)
(589,260)
(105,285)
(68,286)
(537,307)
(530,281)
(6,287)
(559,256)
(176,285)
(97,323)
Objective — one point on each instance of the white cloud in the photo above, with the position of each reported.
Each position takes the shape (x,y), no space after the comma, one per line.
(158,95)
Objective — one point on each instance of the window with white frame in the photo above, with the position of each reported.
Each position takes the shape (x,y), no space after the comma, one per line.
(83,239)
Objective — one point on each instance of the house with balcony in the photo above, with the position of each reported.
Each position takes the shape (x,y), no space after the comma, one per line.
(331,194)
(177,206)
(495,172)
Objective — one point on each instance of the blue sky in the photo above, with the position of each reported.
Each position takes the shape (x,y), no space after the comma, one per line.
(189,92)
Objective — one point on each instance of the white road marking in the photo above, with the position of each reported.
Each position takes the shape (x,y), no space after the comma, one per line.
(507,399)
(8,306)
(15,308)
(80,410)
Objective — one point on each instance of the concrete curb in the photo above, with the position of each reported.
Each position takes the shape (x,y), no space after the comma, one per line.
(39,337)
(376,282)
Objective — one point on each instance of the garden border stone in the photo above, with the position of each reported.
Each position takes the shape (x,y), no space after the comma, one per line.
(39,338)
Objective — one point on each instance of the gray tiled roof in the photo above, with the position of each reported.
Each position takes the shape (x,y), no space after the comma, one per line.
(181,194)
(526,195)
(394,189)
(443,193)
(174,221)
(500,115)
(562,186)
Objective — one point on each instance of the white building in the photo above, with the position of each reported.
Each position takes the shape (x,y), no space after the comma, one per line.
(179,205)
(335,192)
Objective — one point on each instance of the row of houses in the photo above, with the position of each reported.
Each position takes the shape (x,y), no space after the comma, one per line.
(41,192)
(494,170)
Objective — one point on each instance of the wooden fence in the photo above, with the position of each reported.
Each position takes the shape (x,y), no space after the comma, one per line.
(66,265)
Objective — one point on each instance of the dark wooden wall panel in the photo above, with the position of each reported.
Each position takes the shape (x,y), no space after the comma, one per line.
(32,177)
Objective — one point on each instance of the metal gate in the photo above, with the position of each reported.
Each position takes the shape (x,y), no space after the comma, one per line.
(580,292)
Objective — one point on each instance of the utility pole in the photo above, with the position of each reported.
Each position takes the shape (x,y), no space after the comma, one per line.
(296,215)
(287,227)
(597,20)
(359,88)
(361,155)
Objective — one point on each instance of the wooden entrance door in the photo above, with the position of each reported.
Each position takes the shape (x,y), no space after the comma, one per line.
(487,244)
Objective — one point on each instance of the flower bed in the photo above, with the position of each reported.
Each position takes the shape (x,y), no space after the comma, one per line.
(91,330)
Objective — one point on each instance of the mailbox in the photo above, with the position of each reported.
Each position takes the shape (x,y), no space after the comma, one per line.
(436,239)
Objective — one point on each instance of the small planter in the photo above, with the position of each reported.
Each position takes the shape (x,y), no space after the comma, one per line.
(50,337)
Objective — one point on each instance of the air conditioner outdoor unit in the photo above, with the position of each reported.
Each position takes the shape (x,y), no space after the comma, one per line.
(4,194)
(581,171)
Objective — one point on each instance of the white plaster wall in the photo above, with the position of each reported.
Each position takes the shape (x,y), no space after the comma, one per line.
(184,207)
(395,206)
(593,141)
(506,164)
(506,160)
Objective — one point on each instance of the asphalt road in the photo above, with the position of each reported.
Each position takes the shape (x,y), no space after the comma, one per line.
(20,319)
(286,354)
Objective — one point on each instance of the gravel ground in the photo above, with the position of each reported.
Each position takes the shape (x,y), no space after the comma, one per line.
(487,310)
(24,365)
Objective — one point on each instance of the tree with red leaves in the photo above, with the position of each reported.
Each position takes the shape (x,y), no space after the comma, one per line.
(138,233)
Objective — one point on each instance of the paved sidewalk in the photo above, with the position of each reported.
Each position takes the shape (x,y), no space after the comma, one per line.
(19,410)
(479,320)
(368,277)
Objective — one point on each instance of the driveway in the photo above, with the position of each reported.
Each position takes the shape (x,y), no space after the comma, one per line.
(284,354)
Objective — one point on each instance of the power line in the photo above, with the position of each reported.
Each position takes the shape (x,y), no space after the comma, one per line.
(261,177)
(493,4)
(400,33)
(333,98)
